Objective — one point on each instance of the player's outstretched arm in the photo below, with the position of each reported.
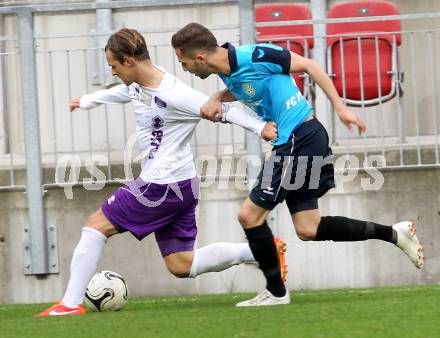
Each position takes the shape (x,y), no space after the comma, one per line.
(212,109)
(114,95)
(302,64)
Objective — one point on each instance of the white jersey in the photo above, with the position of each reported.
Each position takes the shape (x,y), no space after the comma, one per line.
(166,118)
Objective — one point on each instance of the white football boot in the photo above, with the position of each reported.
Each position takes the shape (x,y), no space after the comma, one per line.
(408,242)
(265,298)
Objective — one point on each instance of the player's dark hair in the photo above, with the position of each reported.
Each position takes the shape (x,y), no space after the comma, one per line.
(194,37)
(127,42)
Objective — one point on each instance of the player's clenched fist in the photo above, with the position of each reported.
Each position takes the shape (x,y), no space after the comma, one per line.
(212,109)
(75,103)
(270,132)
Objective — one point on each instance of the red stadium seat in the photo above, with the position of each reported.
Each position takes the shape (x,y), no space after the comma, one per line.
(298,39)
(364,48)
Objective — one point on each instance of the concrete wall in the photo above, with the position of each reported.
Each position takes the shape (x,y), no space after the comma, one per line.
(311,265)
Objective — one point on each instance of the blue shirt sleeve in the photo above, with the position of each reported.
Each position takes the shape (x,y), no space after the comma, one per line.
(271,59)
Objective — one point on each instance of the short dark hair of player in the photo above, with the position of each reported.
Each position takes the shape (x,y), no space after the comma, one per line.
(127,42)
(194,37)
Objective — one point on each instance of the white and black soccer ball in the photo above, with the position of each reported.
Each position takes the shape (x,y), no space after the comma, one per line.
(107,291)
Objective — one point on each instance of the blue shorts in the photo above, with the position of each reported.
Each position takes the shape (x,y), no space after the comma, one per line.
(298,171)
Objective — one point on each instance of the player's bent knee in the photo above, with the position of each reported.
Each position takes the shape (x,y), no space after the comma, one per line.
(247,222)
(306,225)
(251,215)
(99,222)
(243,219)
(246,219)
(306,233)
(179,264)
(181,274)
(179,271)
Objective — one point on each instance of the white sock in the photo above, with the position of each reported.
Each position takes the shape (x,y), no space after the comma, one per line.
(84,263)
(220,256)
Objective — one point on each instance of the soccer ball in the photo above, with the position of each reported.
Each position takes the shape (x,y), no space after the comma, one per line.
(106,291)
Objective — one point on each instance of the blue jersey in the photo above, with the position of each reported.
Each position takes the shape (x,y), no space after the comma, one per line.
(260,78)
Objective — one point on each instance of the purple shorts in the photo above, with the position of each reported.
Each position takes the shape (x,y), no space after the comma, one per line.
(168,210)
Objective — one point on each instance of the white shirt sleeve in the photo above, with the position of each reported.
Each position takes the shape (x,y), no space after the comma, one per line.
(188,102)
(116,94)
(243,117)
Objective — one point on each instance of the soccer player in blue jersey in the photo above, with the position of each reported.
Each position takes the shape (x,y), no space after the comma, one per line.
(259,76)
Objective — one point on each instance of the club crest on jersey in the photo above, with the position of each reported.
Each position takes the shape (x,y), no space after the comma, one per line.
(157,122)
(248,89)
(156,135)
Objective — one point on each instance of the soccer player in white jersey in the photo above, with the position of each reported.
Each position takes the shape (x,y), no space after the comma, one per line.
(164,198)
(259,75)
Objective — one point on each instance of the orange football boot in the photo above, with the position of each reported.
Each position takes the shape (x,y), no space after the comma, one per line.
(281,247)
(61,310)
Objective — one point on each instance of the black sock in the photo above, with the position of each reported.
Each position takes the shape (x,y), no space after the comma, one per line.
(343,229)
(263,248)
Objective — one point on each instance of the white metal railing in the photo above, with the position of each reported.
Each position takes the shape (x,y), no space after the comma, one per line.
(417,144)
(8,161)
(58,53)
(79,136)
(27,105)
(400,127)
(403,127)
(407,124)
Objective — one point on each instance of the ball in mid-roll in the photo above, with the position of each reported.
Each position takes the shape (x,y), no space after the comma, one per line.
(107,291)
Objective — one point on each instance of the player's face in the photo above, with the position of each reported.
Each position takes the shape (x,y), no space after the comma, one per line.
(196,65)
(122,70)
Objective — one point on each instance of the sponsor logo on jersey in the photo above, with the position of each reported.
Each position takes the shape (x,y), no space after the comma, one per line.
(293,100)
(248,89)
(159,102)
(156,135)
(260,53)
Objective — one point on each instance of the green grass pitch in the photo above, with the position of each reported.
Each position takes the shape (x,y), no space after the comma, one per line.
(379,312)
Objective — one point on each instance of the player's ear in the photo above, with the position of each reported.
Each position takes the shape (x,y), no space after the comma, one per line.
(201,58)
(128,61)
